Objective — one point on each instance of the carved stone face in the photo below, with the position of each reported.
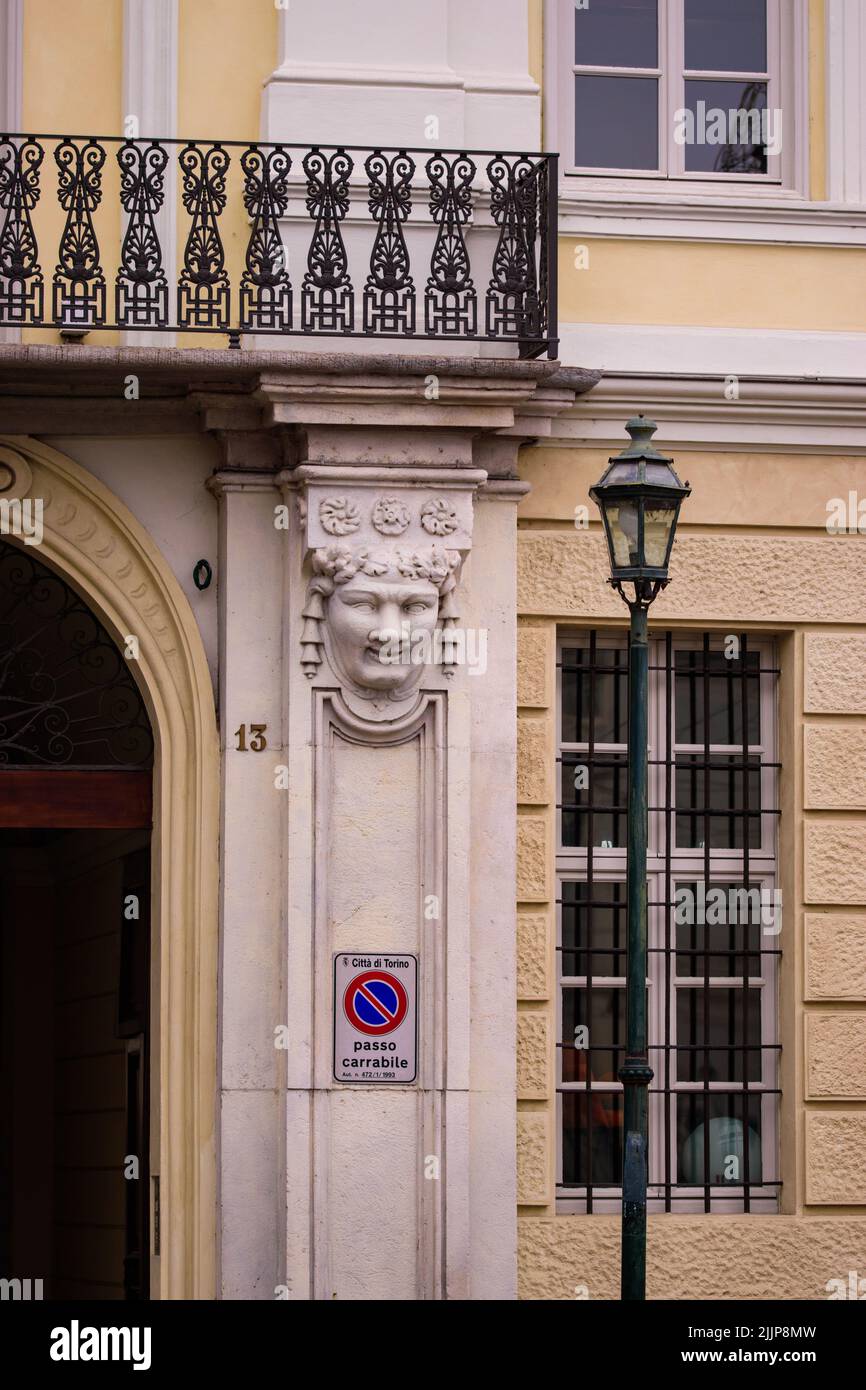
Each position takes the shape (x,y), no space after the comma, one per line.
(365,614)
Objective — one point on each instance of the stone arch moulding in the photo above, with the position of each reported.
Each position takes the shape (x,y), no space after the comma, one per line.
(102,551)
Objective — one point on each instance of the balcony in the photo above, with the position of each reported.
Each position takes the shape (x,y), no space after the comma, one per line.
(252,241)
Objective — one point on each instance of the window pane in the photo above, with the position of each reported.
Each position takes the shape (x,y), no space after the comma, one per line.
(721,789)
(708,1158)
(723,1056)
(724,697)
(723,919)
(599,783)
(729,130)
(593,929)
(601,1011)
(726,35)
(610,693)
(616,34)
(616,122)
(592,1138)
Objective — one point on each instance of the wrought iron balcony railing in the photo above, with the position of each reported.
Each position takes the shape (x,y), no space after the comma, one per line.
(339,241)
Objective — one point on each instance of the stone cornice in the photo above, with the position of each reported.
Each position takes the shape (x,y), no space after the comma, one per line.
(293,397)
(768,414)
(202,364)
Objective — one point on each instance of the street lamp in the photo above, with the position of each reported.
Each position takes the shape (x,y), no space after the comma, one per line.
(639,497)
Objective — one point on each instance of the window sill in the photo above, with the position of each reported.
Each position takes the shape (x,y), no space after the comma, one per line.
(765,215)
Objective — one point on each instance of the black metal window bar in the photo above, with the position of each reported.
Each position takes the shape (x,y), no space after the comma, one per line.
(713,922)
(453,194)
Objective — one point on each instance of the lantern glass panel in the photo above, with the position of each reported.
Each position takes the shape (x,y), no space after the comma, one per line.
(622,520)
(657,524)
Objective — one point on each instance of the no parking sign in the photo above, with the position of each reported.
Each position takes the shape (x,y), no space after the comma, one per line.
(375,1017)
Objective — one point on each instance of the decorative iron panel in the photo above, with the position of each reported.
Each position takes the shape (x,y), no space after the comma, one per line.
(362,225)
(67,694)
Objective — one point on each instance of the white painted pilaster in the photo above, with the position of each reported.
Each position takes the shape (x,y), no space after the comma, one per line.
(488,45)
(377,73)
(251,972)
(846,101)
(11,64)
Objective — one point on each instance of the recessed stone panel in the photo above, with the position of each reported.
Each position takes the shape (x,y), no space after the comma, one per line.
(836,1056)
(835,955)
(747,1257)
(535,647)
(716,578)
(533,769)
(532,972)
(532,1056)
(532,1159)
(835,862)
(532,856)
(836,1160)
(835,758)
(835,676)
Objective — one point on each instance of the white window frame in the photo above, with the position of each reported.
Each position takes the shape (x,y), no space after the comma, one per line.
(787,78)
(609,865)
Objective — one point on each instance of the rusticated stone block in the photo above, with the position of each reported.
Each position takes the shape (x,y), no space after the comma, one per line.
(532,859)
(836,1161)
(532,972)
(533,769)
(532,1159)
(835,758)
(721,578)
(835,674)
(835,956)
(836,1056)
(835,862)
(532,1056)
(745,1257)
(535,666)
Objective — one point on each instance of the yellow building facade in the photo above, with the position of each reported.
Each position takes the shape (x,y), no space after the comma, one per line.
(727,306)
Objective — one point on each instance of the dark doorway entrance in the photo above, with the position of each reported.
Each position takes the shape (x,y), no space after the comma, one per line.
(76,755)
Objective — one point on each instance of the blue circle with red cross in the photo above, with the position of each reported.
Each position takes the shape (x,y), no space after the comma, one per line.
(375,1002)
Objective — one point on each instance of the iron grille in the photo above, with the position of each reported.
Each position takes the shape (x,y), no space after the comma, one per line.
(714,917)
(328,251)
(67,695)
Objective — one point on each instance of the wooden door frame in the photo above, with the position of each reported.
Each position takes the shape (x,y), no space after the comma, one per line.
(76,798)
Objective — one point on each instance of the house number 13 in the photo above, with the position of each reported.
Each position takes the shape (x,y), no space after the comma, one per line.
(257,744)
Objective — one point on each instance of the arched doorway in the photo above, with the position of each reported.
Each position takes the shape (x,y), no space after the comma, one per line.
(141,784)
(76,761)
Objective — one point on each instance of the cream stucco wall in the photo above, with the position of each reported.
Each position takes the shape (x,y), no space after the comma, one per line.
(752,553)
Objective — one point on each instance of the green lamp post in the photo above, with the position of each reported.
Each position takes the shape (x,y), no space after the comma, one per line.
(639,497)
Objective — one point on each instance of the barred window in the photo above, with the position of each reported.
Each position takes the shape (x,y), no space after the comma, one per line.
(714,918)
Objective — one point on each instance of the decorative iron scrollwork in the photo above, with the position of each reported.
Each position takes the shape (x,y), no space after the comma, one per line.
(203,288)
(389,292)
(450,301)
(148,293)
(21,283)
(266,290)
(327,297)
(141,289)
(512,297)
(67,697)
(79,284)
